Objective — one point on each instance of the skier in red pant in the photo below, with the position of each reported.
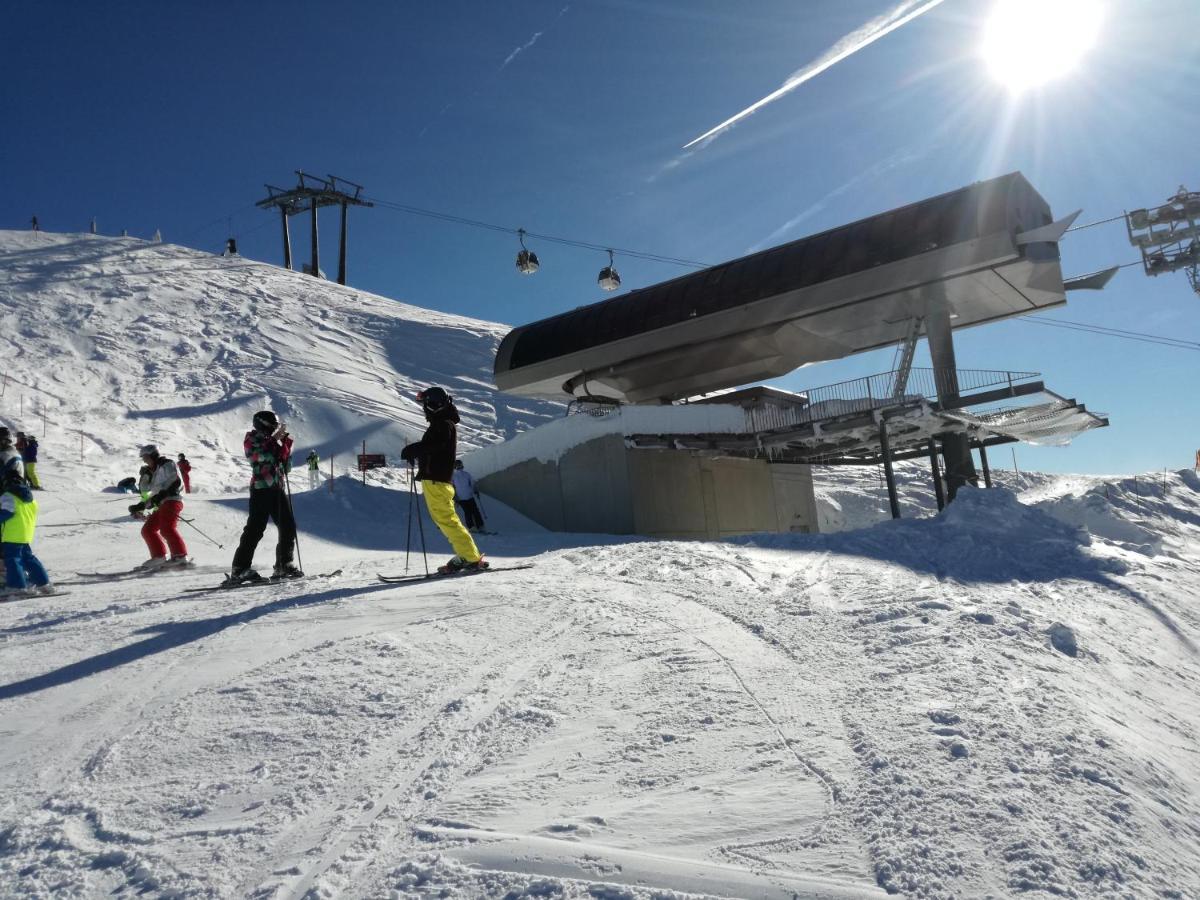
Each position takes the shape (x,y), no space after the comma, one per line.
(166,505)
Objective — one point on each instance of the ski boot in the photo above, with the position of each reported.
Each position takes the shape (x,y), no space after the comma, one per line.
(458,564)
(153,564)
(285,571)
(238,577)
(454,565)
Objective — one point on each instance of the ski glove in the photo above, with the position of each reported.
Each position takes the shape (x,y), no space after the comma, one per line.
(137,510)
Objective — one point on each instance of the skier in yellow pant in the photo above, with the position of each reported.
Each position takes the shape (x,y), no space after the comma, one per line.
(434,455)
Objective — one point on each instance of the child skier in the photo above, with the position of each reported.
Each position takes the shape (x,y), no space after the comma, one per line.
(314,470)
(163,488)
(10,458)
(268,446)
(434,456)
(18,519)
(464,496)
(29,453)
(185,472)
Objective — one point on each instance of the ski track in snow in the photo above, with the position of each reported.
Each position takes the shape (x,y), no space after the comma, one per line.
(1000,700)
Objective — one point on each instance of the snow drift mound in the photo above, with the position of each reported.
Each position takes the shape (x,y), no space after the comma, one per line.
(116,342)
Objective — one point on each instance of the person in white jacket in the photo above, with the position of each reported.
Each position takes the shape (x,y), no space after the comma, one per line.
(464,496)
(165,505)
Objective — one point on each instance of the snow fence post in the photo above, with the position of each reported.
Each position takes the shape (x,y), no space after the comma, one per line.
(331,473)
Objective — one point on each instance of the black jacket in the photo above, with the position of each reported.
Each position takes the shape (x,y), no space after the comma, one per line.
(435,452)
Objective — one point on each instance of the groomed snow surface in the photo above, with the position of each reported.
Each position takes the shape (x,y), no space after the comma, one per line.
(1001,700)
(986,702)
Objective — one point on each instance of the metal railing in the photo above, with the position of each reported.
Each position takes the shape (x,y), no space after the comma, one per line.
(874,392)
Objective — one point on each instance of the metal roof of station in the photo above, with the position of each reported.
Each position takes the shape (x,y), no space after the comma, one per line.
(985,252)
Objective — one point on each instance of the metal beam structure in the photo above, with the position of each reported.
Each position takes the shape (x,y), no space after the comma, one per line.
(888,472)
(309,195)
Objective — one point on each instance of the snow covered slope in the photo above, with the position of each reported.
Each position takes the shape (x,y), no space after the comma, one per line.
(1001,700)
(123,342)
(992,702)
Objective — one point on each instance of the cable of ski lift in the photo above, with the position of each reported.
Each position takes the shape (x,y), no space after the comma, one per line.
(527,261)
(491,226)
(608,279)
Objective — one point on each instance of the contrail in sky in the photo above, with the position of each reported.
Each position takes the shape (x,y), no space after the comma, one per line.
(533,40)
(851,43)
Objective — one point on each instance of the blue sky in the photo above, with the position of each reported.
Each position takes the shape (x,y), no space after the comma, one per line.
(568,118)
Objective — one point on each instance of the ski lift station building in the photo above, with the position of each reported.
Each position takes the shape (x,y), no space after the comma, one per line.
(658,454)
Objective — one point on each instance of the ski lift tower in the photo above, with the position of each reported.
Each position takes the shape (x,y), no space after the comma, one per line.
(309,195)
(1168,236)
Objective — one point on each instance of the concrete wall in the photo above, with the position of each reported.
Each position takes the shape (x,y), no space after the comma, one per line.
(795,501)
(603,487)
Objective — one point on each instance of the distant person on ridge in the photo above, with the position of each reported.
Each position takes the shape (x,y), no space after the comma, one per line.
(18,520)
(464,496)
(434,456)
(314,470)
(268,446)
(185,472)
(165,504)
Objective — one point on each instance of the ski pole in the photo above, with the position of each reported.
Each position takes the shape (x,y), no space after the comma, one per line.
(287,484)
(188,523)
(421,531)
(412,495)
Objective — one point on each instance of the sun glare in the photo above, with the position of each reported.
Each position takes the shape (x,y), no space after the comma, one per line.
(1029,42)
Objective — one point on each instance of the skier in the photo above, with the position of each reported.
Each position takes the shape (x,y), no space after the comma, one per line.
(464,496)
(314,470)
(29,457)
(185,472)
(9,456)
(269,448)
(18,520)
(434,456)
(143,483)
(127,485)
(166,505)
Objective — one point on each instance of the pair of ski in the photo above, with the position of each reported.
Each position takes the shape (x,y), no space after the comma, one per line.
(136,572)
(461,573)
(260,582)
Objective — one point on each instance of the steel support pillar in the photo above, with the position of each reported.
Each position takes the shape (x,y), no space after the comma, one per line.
(956,447)
(287,239)
(937,475)
(983,463)
(342,249)
(888,472)
(316,251)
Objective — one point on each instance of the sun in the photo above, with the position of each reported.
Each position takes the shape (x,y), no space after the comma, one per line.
(1029,42)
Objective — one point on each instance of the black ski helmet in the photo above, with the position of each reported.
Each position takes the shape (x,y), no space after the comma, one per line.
(5,437)
(458,464)
(434,399)
(266,421)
